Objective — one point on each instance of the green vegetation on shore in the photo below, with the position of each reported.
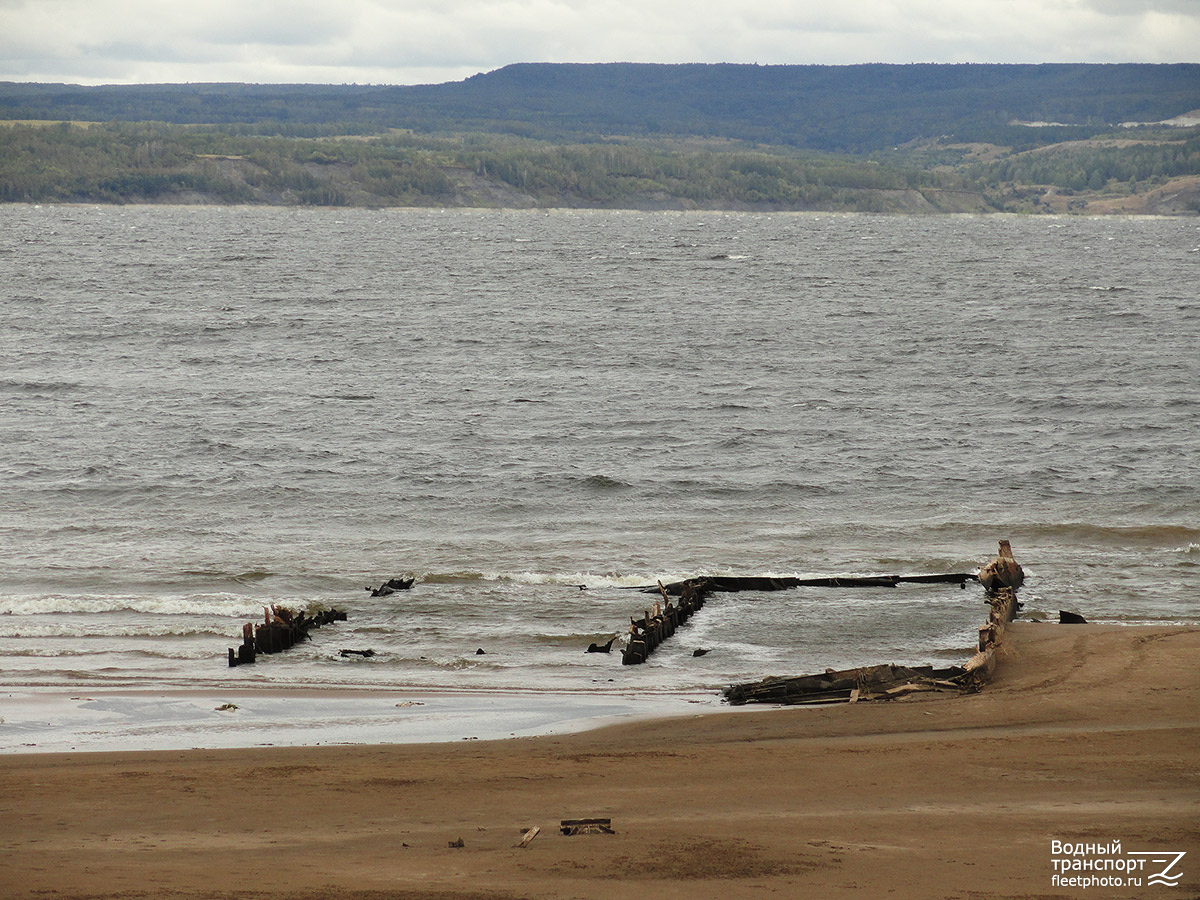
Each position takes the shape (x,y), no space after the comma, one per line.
(155,162)
(128,162)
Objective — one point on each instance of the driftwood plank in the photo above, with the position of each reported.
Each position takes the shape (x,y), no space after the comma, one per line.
(586,826)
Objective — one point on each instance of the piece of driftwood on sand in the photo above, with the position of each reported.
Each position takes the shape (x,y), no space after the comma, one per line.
(847,685)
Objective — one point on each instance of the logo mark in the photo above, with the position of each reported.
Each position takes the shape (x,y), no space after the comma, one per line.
(1166,876)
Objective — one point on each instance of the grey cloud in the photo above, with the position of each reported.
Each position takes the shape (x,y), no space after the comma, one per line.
(402,41)
(266,25)
(1141,7)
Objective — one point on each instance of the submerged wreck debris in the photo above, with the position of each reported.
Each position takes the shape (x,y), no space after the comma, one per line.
(646,633)
(1001,578)
(281,629)
(390,586)
(733,583)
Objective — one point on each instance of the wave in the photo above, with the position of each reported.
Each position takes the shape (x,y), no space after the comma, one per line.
(20,629)
(577,641)
(765,492)
(222,605)
(1166,621)
(253,577)
(604,483)
(565,483)
(647,580)
(39,387)
(588,580)
(169,651)
(1085,532)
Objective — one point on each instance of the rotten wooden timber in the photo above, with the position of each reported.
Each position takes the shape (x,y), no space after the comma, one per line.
(529,835)
(1003,571)
(281,629)
(979,669)
(847,685)
(392,585)
(734,583)
(1001,577)
(655,626)
(586,826)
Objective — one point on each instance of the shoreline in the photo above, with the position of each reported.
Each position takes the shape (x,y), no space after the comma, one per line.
(136,719)
(1114,210)
(1088,733)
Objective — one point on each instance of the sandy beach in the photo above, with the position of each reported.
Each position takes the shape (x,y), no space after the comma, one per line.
(1088,735)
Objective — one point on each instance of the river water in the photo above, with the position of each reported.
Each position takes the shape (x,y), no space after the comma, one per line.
(208,410)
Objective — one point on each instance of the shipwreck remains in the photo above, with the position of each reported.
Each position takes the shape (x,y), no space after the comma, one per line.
(648,632)
(1001,577)
(883,682)
(389,587)
(1002,572)
(281,630)
(733,583)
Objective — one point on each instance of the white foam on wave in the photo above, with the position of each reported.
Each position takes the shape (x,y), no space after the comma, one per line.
(575,579)
(107,626)
(193,604)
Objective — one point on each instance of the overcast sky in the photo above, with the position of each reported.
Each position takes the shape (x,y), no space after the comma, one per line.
(431,41)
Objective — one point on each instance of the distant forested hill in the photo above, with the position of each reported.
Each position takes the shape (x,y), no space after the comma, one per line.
(871,138)
(846,109)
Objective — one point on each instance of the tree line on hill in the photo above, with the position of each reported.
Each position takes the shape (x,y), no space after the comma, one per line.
(845,109)
(122,162)
(129,162)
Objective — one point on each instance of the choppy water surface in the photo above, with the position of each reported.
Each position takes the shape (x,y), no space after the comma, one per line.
(205,410)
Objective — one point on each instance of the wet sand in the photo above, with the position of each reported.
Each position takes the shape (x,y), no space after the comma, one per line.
(53,720)
(1087,734)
